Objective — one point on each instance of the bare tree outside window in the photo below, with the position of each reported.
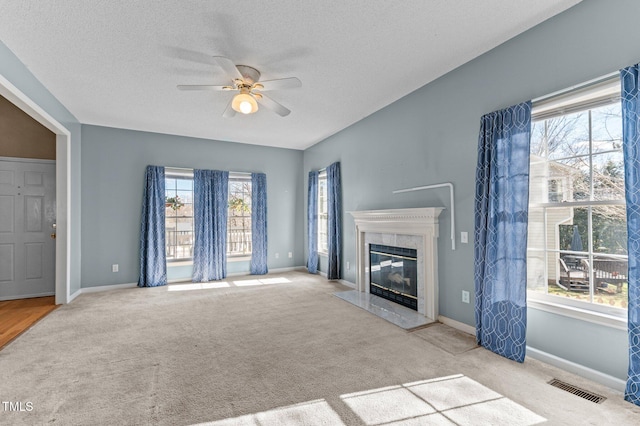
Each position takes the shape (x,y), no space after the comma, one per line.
(239,217)
(577,219)
(178,216)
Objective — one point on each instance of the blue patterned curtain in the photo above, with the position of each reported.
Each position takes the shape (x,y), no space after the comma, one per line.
(334,228)
(210,204)
(630,78)
(153,258)
(312,223)
(259,224)
(501,216)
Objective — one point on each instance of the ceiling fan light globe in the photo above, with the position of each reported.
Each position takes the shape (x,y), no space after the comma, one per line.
(245,107)
(244,103)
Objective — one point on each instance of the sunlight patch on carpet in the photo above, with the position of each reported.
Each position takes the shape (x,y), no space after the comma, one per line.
(439,401)
(317,412)
(261,281)
(197,286)
(446,400)
(225,284)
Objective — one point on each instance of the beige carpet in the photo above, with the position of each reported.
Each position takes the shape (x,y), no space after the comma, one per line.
(447,338)
(452,400)
(189,354)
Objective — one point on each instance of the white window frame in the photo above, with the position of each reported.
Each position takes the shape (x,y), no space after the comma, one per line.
(323,215)
(173,172)
(246,255)
(186,174)
(583,97)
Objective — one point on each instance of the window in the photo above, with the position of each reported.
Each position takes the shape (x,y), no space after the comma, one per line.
(555,190)
(323,216)
(179,224)
(179,214)
(239,219)
(577,242)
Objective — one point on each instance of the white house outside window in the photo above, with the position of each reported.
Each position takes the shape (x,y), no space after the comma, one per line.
(577,242)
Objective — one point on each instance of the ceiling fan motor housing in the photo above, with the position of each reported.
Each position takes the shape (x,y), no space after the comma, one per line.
(244,81)
(249,74)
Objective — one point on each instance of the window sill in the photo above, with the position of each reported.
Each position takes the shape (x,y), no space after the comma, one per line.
(323,254)
(606,320)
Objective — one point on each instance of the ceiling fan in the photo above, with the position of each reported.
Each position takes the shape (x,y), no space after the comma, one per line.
(245,81)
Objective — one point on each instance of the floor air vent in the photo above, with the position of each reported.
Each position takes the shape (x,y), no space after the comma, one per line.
(589,396)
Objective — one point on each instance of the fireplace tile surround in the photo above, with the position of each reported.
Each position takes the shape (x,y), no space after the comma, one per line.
(413,228)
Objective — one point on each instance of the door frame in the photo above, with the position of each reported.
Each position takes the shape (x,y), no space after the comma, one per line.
(63,184)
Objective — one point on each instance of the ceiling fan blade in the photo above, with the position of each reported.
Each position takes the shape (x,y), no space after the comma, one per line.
(229,112)
(269,103)
(281,83)
(229,67)
(202,87)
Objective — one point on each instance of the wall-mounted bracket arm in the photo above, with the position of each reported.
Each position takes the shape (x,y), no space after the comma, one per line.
(451,202)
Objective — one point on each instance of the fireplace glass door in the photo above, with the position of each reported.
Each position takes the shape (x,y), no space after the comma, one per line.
(393,274)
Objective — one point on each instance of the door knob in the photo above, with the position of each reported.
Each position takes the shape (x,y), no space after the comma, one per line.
(53,235)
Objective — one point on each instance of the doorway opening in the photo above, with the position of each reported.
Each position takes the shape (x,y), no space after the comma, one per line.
(63,187)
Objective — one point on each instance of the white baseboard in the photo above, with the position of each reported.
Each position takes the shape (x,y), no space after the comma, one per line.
(28,296)
(348,283)
(74,295)
(458,325)
(341,281)
(566,365)
(288,269)
(107,288)
(586,372)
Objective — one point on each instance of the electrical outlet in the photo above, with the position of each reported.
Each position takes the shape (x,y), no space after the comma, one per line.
(464,237)
(277,255)
(465,296)
(114,267)
(290,255)
(348,265)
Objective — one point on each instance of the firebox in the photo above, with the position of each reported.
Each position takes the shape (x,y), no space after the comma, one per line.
(393,274)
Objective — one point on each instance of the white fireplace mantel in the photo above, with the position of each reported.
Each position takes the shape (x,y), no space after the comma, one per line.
(411,228)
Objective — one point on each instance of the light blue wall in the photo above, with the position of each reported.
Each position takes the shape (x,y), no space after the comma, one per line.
(113,167)
(19,75)
(430,136)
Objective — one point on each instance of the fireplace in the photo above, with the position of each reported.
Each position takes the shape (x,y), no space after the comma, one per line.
(394,274)
(407,236)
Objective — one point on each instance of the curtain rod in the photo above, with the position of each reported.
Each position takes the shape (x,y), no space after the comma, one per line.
(186,169)
(451,201)
(584,85)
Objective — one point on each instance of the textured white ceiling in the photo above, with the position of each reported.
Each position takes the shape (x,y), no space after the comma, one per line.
(116,63)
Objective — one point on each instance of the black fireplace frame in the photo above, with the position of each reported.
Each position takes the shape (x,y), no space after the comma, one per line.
(404,299)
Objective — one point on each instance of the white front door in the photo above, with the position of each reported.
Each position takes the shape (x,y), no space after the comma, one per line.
(27,228)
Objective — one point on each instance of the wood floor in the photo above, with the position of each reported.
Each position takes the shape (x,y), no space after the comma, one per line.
(16,316)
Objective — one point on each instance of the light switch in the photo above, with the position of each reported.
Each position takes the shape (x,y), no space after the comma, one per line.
(464,237)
